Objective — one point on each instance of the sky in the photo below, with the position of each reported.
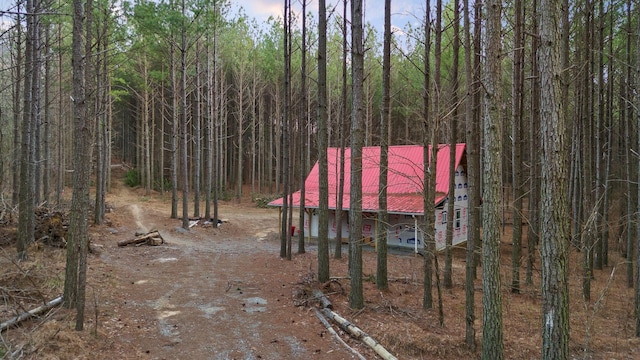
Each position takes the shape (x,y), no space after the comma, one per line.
(402,11)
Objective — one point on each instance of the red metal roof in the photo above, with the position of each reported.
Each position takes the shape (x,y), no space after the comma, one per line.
(404,191)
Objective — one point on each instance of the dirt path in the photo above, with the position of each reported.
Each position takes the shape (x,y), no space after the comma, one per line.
(207,293)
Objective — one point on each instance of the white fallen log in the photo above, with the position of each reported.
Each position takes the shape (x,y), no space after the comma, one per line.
(140,239)
(324,301)
(328,326)
(22,317)
(358,334)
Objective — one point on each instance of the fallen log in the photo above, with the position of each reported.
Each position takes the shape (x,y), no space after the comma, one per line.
(22,317)
(140,239)
(323,299)
(326,324)
(358,334)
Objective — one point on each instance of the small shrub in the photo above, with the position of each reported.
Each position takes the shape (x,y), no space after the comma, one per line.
(226,194)
(132,178)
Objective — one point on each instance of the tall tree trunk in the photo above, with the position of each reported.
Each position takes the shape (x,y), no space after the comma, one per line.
(626,109)
(174,132)
(285,236)
(534,169)
(429,162)
(554,194)
(356,299)
(586,177)
(453,134)
(197,150)
(17,67)
(26,204)
(472,168)
(323,206)
(184,119)
(637,104)
(516,143)
(385,118)
(492,332)
(208,136)
(343,134)
(77,245)
(46,146)
(302,126)
(598,188)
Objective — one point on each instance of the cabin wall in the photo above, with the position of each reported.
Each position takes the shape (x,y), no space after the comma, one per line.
(402,228)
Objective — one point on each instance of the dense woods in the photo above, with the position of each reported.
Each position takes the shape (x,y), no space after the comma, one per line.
(203,103)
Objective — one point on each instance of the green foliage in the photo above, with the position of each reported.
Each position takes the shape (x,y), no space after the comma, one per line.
(226,195)
(162,181)
(132,178)
(261,200)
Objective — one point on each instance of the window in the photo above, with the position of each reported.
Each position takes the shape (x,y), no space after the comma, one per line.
(444,217)
(458,216)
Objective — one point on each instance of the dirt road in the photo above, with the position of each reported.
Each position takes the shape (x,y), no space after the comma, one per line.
(208,293)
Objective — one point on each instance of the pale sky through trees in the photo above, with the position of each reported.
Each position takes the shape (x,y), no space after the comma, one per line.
(402,12)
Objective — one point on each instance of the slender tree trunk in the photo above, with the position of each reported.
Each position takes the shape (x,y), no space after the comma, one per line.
(285,236)
(356,299)
(184,120)
(303,128)
(174,133)
(17,66)
(208,186)
(26,204)
(629,176)
(472,234)
(77,245)
(516,144)
(637,104)
(429,162)
(323,207)
(492,332)
(534,169)
(46,151)
(448,261)
(598,208)
(343,135)
(197,150)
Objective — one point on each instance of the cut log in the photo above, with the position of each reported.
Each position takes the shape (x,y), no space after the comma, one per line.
(140,239)
(22,317)
(358,334)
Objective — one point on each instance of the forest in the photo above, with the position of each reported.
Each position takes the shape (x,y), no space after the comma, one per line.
(204,103)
